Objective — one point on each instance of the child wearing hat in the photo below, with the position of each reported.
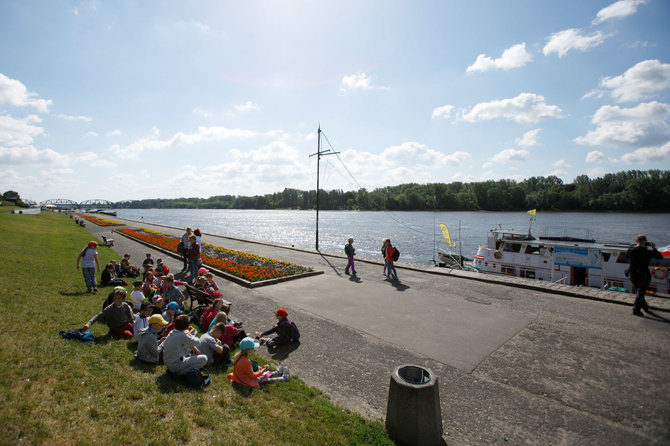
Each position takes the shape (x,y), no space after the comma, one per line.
(142,319)
(89,263)
(118,316)
(148,345)
(137,296)
(171,311)
(283,329)
(180,348)
(243,372)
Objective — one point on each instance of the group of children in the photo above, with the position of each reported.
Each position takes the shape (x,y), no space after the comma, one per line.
(155,319)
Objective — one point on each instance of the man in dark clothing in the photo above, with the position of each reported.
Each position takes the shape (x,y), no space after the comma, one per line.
(640,256)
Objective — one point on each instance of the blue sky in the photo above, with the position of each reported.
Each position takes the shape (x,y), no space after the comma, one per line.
(162,99)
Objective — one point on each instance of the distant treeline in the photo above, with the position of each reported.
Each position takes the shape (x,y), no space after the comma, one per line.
(634,190)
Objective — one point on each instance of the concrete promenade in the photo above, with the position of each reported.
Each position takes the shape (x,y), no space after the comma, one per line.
(516,365)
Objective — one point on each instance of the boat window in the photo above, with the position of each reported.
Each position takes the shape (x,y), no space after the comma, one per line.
(533,249)
(606,256)
(508,270)
(512,247)
(527,273)
(615,283)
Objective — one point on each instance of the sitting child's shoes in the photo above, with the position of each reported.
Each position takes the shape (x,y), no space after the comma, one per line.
(285,374)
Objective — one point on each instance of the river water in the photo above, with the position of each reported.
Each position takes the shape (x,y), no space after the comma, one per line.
(416,234)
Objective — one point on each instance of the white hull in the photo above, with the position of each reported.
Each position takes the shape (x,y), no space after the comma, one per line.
(571,261)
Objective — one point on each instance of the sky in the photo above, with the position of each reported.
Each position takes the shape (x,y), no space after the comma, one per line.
(131,99)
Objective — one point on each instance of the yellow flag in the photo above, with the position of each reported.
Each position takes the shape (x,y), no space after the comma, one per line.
(532,212)
(445,233)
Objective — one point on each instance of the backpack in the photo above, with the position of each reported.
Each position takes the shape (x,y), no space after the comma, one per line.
(81,334)
(395,255)
(180,248)
(295,332)
(197,378)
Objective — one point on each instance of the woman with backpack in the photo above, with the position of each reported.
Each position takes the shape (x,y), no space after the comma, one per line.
(389,257)
(89,263)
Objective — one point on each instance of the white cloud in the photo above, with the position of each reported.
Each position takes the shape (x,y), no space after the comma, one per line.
(639,81)
(30,155)
(527,107)
(529,139)
(13,92)
(114,133)
(513,57)
(87,134)
(648,155)
(19,132)
(617,10)
(204,134)
(278,134)
(246,107)
(310,137)
(557,173)
(569,39)
(74,118)
(75,11)
(508,155)
(644,124)
(596,157)
(87,156)
(442,112)
(561,164)
(359,81)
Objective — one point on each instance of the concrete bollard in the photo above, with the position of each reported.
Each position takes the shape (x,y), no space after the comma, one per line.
(413,415)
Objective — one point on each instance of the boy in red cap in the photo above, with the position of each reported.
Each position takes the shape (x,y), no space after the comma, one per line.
(284,329)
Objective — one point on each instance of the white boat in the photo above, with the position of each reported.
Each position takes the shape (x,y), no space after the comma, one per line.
(579,261)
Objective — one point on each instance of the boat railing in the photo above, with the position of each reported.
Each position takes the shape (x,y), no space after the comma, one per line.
(561,280)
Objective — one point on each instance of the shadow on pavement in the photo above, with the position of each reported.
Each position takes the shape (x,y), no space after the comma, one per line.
(280,353)
(333,267)
(657,317)
(354,278)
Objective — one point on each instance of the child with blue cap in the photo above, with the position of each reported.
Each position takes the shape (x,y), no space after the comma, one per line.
(243,372)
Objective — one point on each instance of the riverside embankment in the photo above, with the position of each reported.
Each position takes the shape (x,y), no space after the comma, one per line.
(536,367)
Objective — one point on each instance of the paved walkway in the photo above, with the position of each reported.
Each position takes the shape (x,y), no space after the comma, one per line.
(532,366)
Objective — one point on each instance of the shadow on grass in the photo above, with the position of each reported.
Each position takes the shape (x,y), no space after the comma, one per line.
(169,384)
(242,390)
(144,367)
(73,293)
(280,353)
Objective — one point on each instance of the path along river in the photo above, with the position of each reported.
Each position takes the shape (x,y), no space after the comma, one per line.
(416,234)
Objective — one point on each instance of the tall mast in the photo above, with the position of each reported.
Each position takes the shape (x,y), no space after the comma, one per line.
(318,160)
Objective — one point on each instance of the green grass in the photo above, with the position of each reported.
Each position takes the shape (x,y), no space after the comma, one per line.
(55,391)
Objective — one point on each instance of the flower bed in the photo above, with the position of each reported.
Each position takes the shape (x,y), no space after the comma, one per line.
(240,264)
(99,221)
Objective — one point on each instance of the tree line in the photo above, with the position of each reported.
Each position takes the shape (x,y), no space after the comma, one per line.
(633,190)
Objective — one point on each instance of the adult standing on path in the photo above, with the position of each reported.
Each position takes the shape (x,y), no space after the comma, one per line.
(350,251)
(384,241)
(640,256)
(186,245)
(193,259)
(388,257)
(88,265)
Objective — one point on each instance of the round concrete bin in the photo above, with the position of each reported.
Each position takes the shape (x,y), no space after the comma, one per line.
(413,415)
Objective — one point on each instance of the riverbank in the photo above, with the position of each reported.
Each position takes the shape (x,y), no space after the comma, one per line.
(57,391)
(532,367)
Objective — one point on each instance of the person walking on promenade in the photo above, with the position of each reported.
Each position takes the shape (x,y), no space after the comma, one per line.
(193,259)
(390,269)
(350,252)
(640,256)
(186,244)
(89,263)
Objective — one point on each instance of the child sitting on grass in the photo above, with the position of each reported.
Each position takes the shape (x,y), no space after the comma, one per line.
(171,312)
(209,313)
(151,284)
(232,333)
(179,346)
(171,293)
(243,372)
(284,330)
(148,345)
(118,316)
(142,319)
(210,345)
(137,295)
